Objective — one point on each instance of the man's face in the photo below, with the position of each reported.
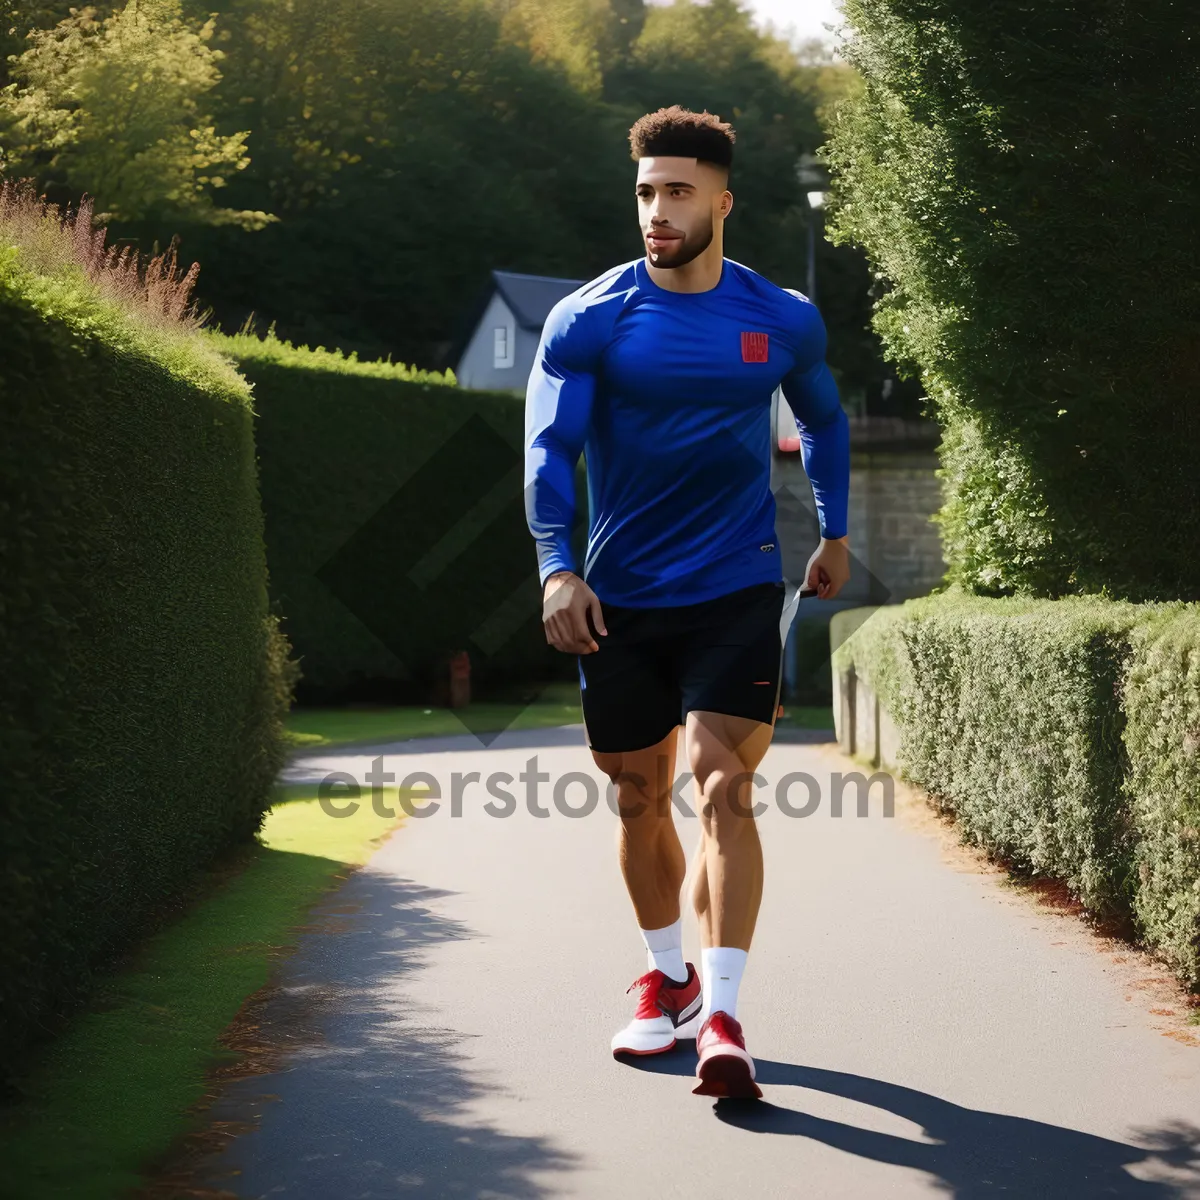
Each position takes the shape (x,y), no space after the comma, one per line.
(679,199)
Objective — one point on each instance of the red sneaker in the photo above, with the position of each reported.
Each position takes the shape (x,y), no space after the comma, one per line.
(665,1011)
(724,1068)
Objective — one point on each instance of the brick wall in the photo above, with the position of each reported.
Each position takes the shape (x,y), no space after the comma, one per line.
(892,498)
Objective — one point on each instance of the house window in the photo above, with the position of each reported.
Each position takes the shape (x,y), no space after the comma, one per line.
(502,355)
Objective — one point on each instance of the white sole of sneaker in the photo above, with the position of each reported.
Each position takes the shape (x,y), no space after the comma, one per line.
(655,1036)
(620,1051)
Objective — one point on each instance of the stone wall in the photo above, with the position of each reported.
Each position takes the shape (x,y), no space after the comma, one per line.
(863,728)
(893,494)
(892,497)
(895,547)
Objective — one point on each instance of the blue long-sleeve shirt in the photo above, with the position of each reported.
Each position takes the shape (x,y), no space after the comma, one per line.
(668,395)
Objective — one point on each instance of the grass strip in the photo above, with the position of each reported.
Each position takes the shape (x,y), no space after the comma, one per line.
(558,705)
(805,716)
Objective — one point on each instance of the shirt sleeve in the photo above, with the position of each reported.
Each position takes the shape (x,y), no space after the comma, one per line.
(812,395)
(558,410)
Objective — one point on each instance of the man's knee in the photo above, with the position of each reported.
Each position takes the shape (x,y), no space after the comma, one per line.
(630,794)
(639,783)
(727,799)
(641,809)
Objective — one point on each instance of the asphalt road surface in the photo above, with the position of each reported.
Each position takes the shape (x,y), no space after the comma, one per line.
(921,1028)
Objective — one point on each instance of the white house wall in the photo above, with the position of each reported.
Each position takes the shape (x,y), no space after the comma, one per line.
(476,368)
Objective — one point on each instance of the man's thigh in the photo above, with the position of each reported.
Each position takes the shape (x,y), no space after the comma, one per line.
(712,740)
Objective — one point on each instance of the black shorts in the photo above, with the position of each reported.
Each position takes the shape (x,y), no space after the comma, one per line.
(658,664)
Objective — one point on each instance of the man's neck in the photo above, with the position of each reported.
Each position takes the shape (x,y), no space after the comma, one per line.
(702,274)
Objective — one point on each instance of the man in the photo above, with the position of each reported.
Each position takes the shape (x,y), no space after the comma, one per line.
(662,371)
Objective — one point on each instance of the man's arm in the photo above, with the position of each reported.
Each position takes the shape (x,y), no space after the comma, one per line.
(558,408)
(812,396)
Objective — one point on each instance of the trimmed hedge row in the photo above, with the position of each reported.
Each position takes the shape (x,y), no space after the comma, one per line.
(1162,707)
(142,681)
(395,524)
(1063,735)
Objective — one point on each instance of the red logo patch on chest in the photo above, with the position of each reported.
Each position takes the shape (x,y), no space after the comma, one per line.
(754,347)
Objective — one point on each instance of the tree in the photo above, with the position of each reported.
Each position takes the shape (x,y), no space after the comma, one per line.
(1026,179)
(113,106)
(408,151)
(568,34)
(20,18)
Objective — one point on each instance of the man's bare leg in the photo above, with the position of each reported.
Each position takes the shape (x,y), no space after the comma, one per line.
(723,752)
(652,860)
(728,870)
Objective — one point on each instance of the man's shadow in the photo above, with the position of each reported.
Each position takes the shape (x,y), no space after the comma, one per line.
(974,1154)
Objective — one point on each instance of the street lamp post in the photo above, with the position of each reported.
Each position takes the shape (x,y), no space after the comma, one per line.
(811,176)
(816,201)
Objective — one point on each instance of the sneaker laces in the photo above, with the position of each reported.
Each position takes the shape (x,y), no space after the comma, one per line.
(647,981)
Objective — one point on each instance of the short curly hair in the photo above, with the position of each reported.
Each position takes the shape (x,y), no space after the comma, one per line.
(679,132)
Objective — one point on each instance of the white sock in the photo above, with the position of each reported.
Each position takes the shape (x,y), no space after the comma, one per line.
(723,967)
(664,951)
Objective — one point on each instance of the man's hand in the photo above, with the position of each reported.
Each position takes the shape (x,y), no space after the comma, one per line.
(566,603)
(829,567)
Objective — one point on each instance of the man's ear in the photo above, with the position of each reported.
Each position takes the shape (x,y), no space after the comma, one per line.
(725,203)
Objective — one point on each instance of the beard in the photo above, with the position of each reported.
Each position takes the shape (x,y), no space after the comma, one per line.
(689,247)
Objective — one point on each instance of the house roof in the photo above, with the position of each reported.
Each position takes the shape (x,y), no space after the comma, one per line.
(531,297)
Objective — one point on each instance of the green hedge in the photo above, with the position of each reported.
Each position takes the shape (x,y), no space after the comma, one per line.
(1023,178)
(142,682)
(395,524)
(1162,705)
(1062,735)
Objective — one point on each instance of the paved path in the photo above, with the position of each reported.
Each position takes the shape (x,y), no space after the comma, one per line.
(921,1029)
